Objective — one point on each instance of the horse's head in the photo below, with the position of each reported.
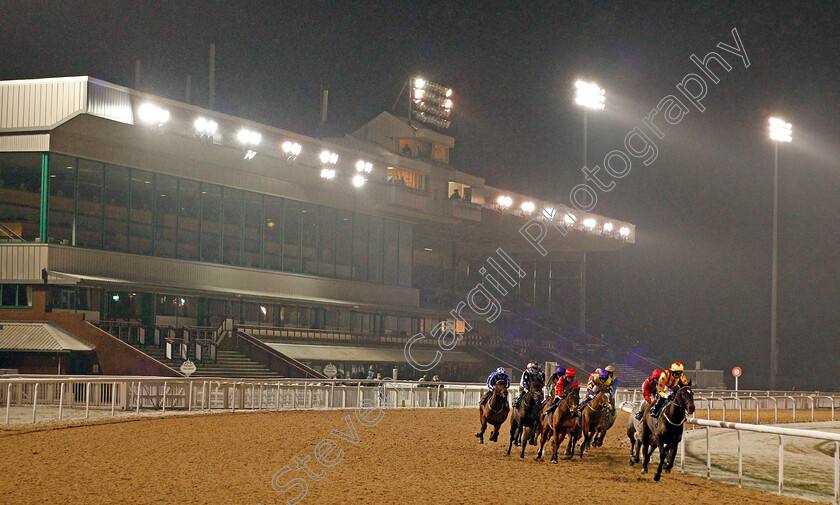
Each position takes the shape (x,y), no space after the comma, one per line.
(685,399)
(573,400)
(500,389)
(601,401)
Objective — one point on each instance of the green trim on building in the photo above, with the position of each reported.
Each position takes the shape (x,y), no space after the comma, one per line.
(45,196)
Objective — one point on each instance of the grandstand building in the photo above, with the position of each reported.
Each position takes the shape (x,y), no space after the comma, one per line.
(156,231)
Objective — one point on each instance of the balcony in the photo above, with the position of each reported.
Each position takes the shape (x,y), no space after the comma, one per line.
(461,209)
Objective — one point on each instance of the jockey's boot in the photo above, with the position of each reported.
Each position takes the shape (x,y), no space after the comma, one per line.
(517,400)
(486,397)
(657,408)
(640,414)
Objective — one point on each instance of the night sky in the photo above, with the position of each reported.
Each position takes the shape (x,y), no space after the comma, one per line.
(696,285)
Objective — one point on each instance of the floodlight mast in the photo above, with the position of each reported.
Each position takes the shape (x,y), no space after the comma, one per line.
(780,131)
(590,96)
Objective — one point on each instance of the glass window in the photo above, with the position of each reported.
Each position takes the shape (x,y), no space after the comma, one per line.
(407,178)
(166,214)
(253,230)
(232,239)
(15,295)
(390,241)
(360,247)
(142,212)
(89,217)
(62,199)
(292,214)
(116,208)
(441,153)
(343,244)
(211,216)
(189,211)
(309,238)
(20,195)
(326,242)
(273,233)
(375,250)
(405,245)
(405,146)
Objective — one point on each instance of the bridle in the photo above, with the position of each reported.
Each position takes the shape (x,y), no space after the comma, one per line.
(679,402)
(490,403)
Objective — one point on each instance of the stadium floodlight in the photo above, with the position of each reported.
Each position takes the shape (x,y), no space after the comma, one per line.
(780,131)
(624,231)
(589,223)
(249,137)
(504,201)
(528,207)
(152,114)
(328,157)
(607,227)
(205,126)
(589,95)
(291,149)
(359,180)
(327,173)
(430,102)
(364,166)
(569,219)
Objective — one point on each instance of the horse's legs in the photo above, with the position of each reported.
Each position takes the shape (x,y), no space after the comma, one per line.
(494,435)
(525,437)
(632,446)
(543,437)
(662,457)
(671,456)
(647,450)
(573,438)
(513,428)
(480,434)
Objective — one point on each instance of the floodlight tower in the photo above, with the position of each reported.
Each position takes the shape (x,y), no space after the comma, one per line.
(780,131)
(591,97)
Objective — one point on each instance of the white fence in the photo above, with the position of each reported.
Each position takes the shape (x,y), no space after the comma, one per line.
(754,428)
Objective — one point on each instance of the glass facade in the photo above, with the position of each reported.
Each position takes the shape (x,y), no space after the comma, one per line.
(103,206)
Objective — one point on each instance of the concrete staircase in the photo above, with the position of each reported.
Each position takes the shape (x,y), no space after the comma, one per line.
(229,364)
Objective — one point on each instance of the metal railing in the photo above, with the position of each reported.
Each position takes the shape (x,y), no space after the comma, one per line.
(782,432)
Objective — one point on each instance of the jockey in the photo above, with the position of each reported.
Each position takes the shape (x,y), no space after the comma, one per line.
(556,376)
(533,372)
(649,389)
(600,380)
(670,380)
(499,375)
(566,385)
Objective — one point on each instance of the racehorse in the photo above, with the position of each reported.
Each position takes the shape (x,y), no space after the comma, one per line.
(494,412)
(590,418)
(524,420)
(558,423)
(607,421)
(667,432)
(634,432)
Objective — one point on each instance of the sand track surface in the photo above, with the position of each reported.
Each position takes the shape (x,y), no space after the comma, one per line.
(409,457)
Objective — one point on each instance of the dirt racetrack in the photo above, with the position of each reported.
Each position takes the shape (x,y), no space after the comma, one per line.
(409,457)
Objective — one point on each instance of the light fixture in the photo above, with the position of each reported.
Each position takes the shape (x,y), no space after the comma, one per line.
(505,201)
(589,95)
(608,227)
(419,83)
(249,154)
(328,157)
(364,166)
(153,114)
(327,173)
(249,137)
(358,180)
(291,149)
(528,207)
(263,310)
(115,297)
(205,126)
(780,130)
(430,102)
(624,231)
(589,223)
(570,219)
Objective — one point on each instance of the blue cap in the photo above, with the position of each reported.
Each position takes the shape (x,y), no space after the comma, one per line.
(501,370)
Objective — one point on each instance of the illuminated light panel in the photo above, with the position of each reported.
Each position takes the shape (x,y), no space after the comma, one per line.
(589,95)
(505,201)
(249,137)
(780,130)
(589,223)
(624,231)
(528,207)
(152,114)
(359,180)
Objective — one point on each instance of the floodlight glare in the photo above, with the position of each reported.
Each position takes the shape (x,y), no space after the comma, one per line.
(528,207)
(589,223)
(624,231)
(358,180)
(152,114)
(447,104)
(418,94)
(249,154)
(249,137)
(780,130)
(327,173)
(291,148)
(608,227)
(589,95)
(505,201)
(569,219)
(419,83)
(205,126)
(448,92)
(364,166)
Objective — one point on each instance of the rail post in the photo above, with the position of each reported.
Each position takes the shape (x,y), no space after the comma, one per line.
(189,396)
(139,385)
(113,397)
(683,442)
(9,401)
(464,398)
(277,399)
(740,409)
(60,402)
(163,398)
(757,414)
(740,461)
(708,453)
(781,464)
(775,409)
(35,403)
(836,473)
(87,399)
(812,407)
